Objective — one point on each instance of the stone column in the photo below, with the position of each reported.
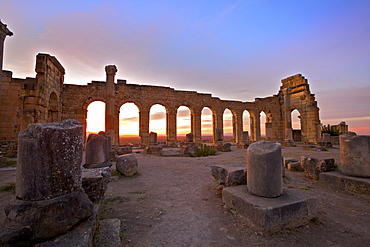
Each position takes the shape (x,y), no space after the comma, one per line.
(264,169)
(4,31)
(239,127)
(256,127)
(196,125)
(218,124)
(144,126)
(110,113)
(171,127)
(287,115)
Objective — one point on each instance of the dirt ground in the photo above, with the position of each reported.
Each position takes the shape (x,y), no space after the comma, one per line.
(174,201)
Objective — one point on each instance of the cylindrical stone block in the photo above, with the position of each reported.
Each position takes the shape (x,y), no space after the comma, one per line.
(264,169)
(355,155)
(49,160)
(96,149)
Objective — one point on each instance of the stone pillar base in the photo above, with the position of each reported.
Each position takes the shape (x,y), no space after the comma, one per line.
(270,215)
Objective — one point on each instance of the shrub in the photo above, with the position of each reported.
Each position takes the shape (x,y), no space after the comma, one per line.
(205,150)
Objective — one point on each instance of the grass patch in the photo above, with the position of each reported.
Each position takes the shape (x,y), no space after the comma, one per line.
(116,199)
(140,198)
(336,167)
(305,188)
(9,187)
(136,192)
(205,150)
(115,172)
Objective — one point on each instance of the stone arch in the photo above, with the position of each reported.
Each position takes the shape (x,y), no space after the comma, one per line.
(92,117)
(128,123)
(247,122)
(207,118)
(183,121)
(155,116)
(53,109)
(296,125)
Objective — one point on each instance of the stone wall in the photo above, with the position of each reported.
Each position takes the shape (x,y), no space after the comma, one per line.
(46,99)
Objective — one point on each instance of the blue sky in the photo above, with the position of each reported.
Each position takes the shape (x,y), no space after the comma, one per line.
(233,49)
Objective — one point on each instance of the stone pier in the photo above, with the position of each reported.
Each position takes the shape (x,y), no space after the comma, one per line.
(267,206)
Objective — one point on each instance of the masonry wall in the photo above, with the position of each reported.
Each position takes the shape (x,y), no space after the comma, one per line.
(46,99)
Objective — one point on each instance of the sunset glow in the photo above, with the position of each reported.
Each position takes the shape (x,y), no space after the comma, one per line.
(235,50)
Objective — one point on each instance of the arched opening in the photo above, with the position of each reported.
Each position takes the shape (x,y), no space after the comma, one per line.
(95,120)
(207,125)
(183,120)
(228,126)
(263,125)
(157,121)
(53,113)
(129,124)
(296,125)
(246,125)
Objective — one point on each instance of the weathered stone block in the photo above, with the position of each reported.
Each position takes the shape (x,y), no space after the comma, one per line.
(49,160)
(264,169)
(230,174)
(38,220)
(352,184)
(269,215)
(288,160)
(189,149)
(153,149)
(127,164)
(295,166)
(95,181)
(96,149)
(314,166)
(355,155)
(124,150)
(109,233)
(189,137)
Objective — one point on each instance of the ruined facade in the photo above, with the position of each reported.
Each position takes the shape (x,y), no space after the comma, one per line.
(46,98)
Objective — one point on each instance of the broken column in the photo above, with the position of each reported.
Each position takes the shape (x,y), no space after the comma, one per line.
(355,155)
(263,201)
(264,166)
(50,199)
(98,148)
(354,175)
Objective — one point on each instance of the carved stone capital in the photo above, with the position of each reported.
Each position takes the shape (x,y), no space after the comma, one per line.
(111,69)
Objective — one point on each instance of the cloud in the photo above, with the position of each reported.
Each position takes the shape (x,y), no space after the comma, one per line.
(158,116)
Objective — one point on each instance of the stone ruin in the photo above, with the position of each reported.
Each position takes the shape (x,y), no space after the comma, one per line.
(98,150)
(53,195)
(268,207)
(354,174)
(46,98)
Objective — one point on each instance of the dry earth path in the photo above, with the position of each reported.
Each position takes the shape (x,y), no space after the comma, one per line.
(174,201)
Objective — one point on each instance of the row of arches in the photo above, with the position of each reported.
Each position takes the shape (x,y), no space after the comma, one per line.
(129,122)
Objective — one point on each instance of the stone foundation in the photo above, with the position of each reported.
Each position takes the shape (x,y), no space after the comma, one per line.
(270,215)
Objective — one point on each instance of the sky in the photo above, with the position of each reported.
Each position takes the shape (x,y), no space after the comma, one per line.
(235,50)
